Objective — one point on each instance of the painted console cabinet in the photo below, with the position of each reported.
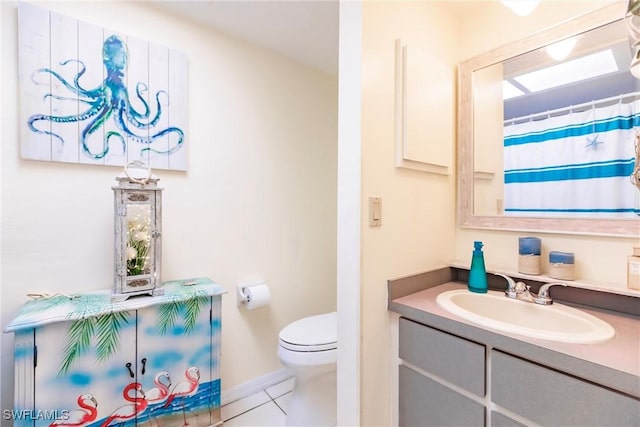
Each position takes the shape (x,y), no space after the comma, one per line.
(84,360)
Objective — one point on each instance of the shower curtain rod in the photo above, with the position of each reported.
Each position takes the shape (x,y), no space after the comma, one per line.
(570,108)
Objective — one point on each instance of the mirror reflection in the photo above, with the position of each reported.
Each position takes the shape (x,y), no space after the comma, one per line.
(554,130)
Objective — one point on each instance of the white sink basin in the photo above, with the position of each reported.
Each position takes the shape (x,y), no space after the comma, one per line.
(555,322)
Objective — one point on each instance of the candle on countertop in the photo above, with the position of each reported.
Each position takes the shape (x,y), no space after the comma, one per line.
(529,255)
(556,257)
(562,265)
(529,245)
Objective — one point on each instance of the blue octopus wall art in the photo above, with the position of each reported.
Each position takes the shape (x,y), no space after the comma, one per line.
(93,96)
(110,100)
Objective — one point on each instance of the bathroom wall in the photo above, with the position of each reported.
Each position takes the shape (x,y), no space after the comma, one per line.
(601,260)
(418,220)
(257,203)
(418,224)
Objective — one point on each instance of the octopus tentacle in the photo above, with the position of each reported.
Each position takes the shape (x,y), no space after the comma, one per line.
(153,122)
(116,134)
(82,70)
(76,80)
(60,78)
(162,133)
(59,119)
(64,98)
(141,87)
(150,139)
(94,125)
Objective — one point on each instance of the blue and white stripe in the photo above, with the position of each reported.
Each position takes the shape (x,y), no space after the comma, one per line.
(578,163)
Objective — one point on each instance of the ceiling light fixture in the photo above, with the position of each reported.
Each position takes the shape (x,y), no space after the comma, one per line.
(521,7)
(560,50)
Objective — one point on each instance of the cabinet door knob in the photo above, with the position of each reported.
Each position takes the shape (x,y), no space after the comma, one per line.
(144,362)
(128,365)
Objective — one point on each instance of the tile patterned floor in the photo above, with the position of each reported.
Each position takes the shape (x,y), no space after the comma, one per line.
(265,408)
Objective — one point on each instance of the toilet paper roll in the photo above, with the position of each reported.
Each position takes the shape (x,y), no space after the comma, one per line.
(257,296)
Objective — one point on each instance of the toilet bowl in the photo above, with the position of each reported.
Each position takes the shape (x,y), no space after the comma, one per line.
(308,348)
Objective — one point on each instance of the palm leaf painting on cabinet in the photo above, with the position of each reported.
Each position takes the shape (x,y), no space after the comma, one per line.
(78,342)
(190,309)
(108,333)
(105,328)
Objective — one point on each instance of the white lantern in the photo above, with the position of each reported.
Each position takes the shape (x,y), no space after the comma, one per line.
(138,230)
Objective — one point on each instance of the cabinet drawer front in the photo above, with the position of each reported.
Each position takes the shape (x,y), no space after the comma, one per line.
(548,397)
(453,359)
(501,420)
(424,402)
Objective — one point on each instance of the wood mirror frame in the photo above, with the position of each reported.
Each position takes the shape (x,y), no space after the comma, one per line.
(623,227)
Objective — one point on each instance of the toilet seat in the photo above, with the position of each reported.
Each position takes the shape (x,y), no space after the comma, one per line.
(311,334)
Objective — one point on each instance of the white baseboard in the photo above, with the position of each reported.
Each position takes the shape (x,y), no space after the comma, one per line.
(253,386)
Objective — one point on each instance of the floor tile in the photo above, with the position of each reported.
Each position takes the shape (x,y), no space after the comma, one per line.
(267,415)
(238,407)
(282,401)
(281,388)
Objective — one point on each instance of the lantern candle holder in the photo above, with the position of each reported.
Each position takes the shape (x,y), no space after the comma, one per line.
(137,231)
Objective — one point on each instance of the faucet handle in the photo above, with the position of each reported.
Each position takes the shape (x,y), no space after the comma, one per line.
(543,296)
(512,286)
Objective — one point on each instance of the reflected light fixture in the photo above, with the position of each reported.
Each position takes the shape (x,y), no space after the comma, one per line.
(521,7)
(560,50)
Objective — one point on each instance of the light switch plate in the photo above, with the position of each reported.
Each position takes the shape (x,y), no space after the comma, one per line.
(375,211)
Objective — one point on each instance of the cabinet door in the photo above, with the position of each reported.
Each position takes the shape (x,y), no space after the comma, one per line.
(175,346)
(425,402)
(83,369)
(548,397)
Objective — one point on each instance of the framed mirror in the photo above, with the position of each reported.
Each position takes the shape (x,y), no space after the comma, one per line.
(546,147)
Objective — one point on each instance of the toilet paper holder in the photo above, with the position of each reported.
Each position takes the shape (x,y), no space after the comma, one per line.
(243,295)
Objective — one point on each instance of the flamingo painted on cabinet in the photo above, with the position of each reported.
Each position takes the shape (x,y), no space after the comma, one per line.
(79,417)
(157,395)
(186,388)
(129,411)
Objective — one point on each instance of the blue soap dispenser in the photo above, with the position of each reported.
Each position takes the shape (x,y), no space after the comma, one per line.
(478,273)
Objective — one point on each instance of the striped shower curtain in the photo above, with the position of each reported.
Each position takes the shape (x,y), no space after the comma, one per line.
(574,164)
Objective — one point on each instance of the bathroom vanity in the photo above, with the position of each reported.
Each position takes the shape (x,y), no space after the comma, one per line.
(150,360)
(453,372)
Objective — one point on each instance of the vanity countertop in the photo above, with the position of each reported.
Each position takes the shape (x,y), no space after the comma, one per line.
(614,363)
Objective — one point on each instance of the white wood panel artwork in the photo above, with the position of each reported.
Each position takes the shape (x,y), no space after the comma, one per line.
(90,95)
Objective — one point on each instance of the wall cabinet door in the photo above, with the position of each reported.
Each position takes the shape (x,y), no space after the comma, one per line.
(175,345)
(85,370)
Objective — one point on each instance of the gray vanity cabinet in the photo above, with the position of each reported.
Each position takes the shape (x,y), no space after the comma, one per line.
(442,379)
(446,380)
(549,397)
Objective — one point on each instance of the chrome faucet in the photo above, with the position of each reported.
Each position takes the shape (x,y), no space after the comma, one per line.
(522,291)
(543,296)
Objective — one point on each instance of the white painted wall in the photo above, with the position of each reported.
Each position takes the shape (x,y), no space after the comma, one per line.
(257,203)
(418,221)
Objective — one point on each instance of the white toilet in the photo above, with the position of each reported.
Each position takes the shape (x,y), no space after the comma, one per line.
(308,347)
